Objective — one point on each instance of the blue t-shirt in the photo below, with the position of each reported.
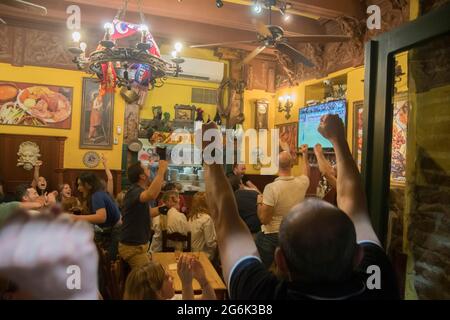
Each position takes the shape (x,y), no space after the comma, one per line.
(101,199)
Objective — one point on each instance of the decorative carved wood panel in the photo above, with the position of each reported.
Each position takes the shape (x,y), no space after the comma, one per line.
(260,74)
(52,156)
(23,46)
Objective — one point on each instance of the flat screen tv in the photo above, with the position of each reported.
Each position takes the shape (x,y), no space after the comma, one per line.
(309,120)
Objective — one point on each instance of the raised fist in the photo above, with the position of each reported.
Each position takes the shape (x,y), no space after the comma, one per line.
(331,127)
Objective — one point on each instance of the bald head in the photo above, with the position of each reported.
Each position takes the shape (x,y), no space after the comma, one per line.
(285,161)
(318,242)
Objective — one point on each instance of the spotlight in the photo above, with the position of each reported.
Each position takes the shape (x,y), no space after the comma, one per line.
(178,46)
(286,17)
(257,7)
(76,36)
(219,3)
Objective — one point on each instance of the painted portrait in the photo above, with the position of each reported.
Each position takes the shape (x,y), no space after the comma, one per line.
(288,136)
(399,138)
(97,116)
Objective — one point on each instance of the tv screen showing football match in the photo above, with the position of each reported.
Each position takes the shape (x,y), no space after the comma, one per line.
(309,120)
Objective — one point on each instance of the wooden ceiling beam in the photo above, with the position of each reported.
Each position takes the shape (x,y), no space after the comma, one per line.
(330,9)
(231,15)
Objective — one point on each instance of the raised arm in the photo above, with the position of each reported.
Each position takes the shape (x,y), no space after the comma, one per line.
(325,167)
(154,189)
(37,166)
(233,237)
(109,176)
(303,150)
(350,193)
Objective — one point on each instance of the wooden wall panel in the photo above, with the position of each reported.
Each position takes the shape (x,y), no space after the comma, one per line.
(52,156)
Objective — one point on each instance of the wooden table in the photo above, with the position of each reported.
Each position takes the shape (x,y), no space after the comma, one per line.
(168,258)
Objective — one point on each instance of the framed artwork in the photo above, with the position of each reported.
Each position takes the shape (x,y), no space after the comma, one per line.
(399,138)
(261,114)
(184,112)
(97,117)
(35,105)
(131,124)
(288,137)
(358,131)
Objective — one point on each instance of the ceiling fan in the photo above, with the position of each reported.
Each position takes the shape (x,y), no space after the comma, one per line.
(270,36)
(25,5)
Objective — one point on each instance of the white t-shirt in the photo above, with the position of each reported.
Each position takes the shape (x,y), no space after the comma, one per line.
(282,195)
(203,235)
(176,222)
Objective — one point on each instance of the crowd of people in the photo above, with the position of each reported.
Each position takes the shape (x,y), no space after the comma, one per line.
(271,244)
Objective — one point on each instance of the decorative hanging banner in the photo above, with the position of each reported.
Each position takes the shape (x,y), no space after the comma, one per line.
(124,29)
(140,73)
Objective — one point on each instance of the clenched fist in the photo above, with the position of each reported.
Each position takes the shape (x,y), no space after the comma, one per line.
(331,127)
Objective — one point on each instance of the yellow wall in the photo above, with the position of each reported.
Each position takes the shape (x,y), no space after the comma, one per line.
(177,90)
(73,156)
(355,92)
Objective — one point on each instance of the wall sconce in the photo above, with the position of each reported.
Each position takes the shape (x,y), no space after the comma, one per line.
(288,104)
(398,75)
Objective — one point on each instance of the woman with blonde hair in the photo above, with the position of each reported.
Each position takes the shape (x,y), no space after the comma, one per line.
(202,227)
(152,282)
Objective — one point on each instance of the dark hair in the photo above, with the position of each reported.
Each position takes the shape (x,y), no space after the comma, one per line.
(134,171)
(170,186)
(22,191)
(88,178)
(235,182)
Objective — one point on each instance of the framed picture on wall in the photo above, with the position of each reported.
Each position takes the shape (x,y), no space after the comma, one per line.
(261,114)
(399,138)
(97,117)
(35,105)
(358,131)
(184,112)
(288,137)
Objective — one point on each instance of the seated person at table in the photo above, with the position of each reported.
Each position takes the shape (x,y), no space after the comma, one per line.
(246,200)
(39,182)
(324,251)
(175,186)
(31,200)
(202,227)
(239,171)
(69,203)
(153,282)
(169,219)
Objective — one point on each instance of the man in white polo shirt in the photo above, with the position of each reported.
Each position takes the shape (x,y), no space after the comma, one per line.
(277,200)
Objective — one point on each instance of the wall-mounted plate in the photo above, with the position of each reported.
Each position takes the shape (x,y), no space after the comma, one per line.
(91,159)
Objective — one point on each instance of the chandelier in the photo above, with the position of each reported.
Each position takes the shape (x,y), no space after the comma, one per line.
(117,66)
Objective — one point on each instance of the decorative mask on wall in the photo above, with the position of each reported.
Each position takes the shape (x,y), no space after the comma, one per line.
(28,155)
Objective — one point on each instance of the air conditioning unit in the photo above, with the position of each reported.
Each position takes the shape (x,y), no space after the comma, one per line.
(203,70)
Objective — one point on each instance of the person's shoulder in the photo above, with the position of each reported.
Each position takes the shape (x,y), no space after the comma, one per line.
(250,280)
(302,179)
(376,261)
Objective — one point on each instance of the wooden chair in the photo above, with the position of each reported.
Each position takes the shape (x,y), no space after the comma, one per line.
(104,271)
(119,274)
(178,237)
